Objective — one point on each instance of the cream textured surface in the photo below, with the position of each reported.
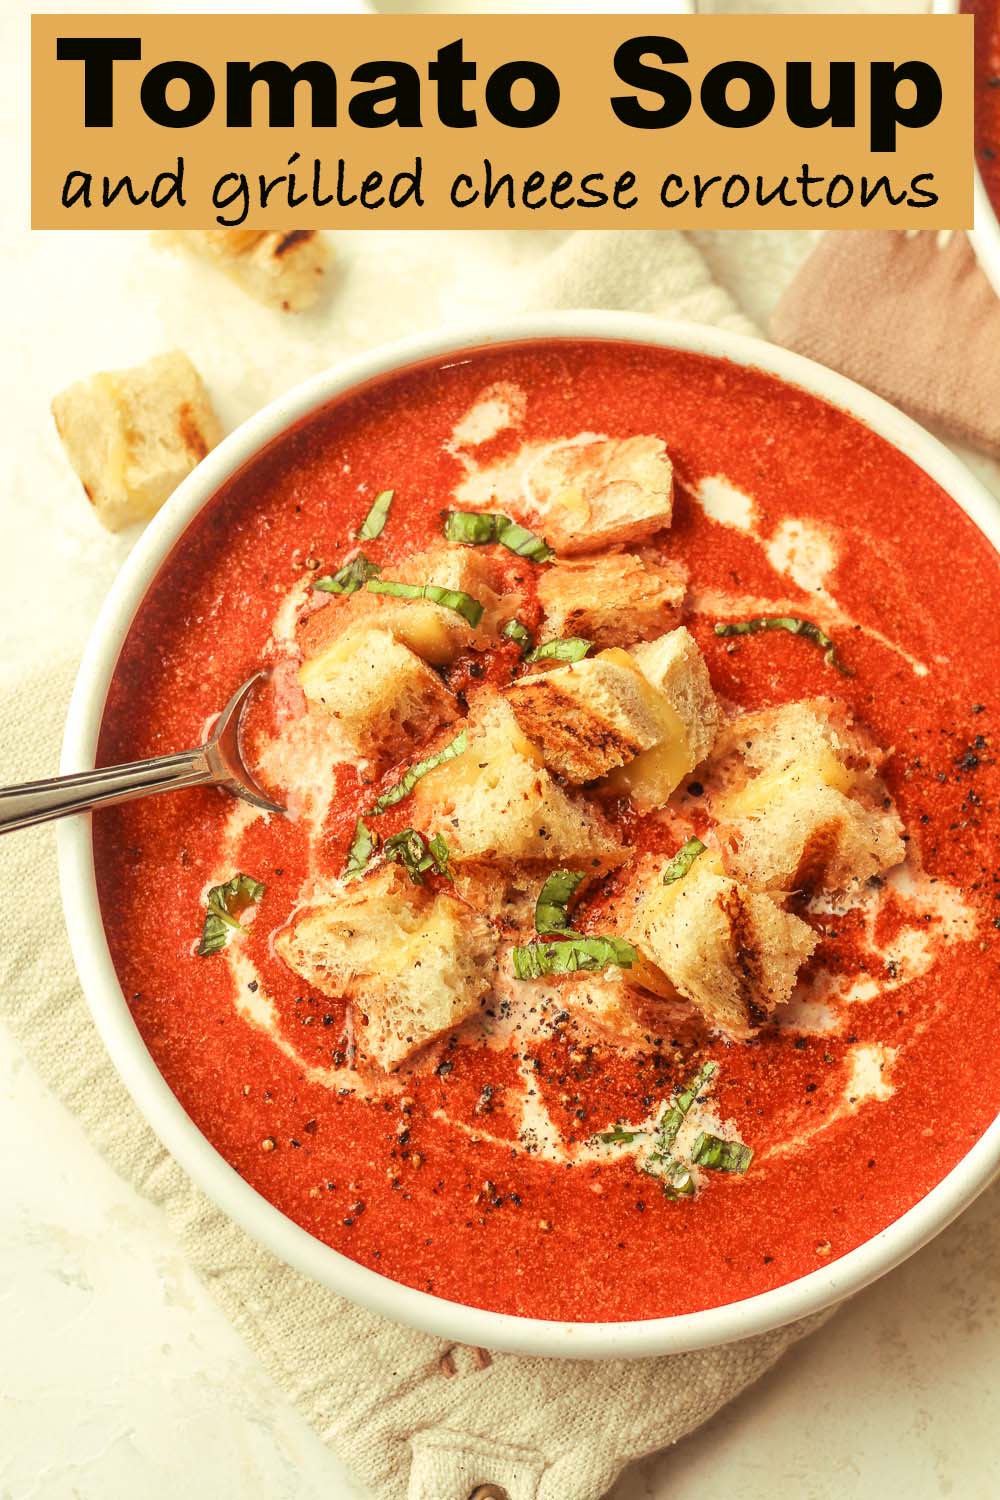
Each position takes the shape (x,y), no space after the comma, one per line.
(117,1369)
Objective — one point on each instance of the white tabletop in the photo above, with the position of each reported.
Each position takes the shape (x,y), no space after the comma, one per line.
(118,1374)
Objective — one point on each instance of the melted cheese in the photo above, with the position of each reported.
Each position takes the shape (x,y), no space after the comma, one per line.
(771,786)
(653,774)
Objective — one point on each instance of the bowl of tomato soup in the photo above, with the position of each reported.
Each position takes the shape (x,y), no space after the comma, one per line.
(613,1059)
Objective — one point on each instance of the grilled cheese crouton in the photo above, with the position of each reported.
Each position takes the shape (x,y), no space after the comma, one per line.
(611,600)
(583,493)
(414,963)
(282,268)
(435,632)
(676,669)
(733,953)
(133,435)
(800,802)
(380,692)
(592,714)
(498,802)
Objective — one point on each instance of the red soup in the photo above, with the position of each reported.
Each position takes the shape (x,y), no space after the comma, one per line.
(748,1024)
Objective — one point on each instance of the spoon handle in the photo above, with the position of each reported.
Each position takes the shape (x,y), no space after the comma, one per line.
(39,801)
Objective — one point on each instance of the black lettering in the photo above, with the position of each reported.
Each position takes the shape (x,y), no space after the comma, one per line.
(715,94)
(451,72)
(927,197)
(804,179)
(779,192)
(201,94)
(462,180)
(71,196)
(831,199)
(741,183)
(172,187)
(492,191)
(123,185)
(671,178)
(281,82)
(562,182)
(838,110)
(701,187)
(533,183)
(880,188)
(672,91)
(406,185)
(544,94)
(592,197)
(369,190)
(240,194)
(624,184)
(98,55)
(887,112)
(402,95)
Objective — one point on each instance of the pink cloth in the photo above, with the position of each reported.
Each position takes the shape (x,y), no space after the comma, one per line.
(913,318)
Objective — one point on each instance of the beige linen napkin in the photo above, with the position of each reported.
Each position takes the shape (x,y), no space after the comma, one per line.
(910,316)
(414,1419)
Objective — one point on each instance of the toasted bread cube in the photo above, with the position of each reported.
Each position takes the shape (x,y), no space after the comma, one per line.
(675,667)
(800,802)
(611,600)
(498,802)
(583,493)
(380,692)
(414,963)
(282,268)
(133,435)
(733,953)
(435,632)
(591,715)
(810,836)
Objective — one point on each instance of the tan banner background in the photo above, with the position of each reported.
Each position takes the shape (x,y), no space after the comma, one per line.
(547,163)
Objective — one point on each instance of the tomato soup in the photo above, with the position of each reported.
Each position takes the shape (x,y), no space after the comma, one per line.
(480,1170)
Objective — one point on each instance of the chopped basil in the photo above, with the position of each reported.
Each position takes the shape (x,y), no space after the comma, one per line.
(515,631)
(374,522)
(566,648)
(673,1119)
(404,786)
(551,908)
(351,577)
(795,626)
(470,609)
(570,955)
(226,903)
(474,528)
(363,846)
(683,860)
(417,854)
(719,1155)
(617,1137)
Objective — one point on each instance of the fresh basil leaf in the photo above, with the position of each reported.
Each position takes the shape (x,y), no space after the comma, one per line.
(404,786)
(673,1119)
(566,648)
(374,522)
(795,626)
(618,1137)
(351,577)
(720,1156)
(515,631)
(417,855)
(226,903)
(474,528)
(683,860)
(552,906)
(363,846)
(470,609)
(569,955)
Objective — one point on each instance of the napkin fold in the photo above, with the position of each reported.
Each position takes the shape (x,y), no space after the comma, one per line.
(911,316)
(415,1418)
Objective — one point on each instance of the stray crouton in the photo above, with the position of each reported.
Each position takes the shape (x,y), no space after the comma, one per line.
(380,692)
(611,600)
(435,632)
(800,802)
(414,963)
(282,268)
(498,802)
(733,953)
(133,435)
(675,668)
(583,493)
(591,715)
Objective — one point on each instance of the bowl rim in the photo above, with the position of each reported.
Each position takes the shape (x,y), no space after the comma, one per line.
(191,1149)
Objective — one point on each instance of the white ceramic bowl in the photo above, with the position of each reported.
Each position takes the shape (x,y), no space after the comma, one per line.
(111,1013)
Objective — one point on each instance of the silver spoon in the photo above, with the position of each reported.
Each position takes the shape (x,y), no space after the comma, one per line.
(217,763)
